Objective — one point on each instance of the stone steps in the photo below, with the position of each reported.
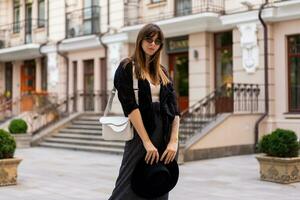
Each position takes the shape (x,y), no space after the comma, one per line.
(83,133)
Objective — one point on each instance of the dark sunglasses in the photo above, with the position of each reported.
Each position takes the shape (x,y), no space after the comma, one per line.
(150,40)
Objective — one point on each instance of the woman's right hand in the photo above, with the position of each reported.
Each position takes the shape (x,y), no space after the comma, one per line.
(152,153)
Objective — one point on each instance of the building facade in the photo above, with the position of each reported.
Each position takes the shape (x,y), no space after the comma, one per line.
(70,49)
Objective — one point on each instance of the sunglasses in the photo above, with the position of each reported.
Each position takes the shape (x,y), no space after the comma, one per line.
(150,41)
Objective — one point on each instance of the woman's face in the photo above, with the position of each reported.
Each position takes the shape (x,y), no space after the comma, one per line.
(151,44)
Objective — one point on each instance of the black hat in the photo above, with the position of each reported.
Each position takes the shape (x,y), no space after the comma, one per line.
(151,181)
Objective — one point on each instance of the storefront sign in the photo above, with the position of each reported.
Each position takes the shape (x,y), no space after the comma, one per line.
(178,44)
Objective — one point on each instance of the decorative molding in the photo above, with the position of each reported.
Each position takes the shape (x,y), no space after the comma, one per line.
(114,57)
(249,45)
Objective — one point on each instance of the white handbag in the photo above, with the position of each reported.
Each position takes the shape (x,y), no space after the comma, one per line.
(118,127)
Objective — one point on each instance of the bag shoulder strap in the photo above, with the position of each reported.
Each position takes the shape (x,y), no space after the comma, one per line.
(113,92)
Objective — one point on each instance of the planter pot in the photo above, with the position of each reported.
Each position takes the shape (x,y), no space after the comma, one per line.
(8,171)
(23,140)
(279,170)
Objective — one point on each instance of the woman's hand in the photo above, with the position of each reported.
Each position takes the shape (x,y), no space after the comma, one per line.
(170,152)
(152,153)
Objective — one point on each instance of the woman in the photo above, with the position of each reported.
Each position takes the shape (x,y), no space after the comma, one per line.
(155,116)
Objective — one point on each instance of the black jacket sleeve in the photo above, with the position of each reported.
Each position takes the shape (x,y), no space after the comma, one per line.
(123,82)
(173,98)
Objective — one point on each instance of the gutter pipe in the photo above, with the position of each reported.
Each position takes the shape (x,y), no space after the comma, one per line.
(266,74)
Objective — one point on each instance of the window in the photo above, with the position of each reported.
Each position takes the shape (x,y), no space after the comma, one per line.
(294,72)
(183,7)
(157,1)
(91,20)
(16,16)
(41,13)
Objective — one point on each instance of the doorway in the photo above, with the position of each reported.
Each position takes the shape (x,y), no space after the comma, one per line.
(28,84)
(8,80)
(223,71)
(179,72)
(88,92)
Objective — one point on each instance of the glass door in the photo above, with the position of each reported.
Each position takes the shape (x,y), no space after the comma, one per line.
(8,81)
(223,71)
(88,85)
(28,78)
(179,72)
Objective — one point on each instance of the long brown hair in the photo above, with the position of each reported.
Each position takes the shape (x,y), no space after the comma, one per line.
(139,56)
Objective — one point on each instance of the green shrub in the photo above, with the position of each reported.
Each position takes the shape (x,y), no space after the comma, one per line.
(7,145)
(280,143)
(17,126)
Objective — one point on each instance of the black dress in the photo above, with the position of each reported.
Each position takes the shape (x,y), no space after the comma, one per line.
(134,151)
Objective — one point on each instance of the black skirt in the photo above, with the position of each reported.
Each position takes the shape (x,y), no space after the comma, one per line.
(133,152)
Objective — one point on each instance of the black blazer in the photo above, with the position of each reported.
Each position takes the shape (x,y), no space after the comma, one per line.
(168,104)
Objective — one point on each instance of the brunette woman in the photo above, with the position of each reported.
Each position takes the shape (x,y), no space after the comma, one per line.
(155,116)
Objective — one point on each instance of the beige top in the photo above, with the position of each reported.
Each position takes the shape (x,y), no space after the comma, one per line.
(155,90)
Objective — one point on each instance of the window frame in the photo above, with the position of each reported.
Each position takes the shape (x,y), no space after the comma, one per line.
(16,22)
(41,21)
(289,57)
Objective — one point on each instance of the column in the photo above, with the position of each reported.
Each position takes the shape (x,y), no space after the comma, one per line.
(52,73)
(38,75)
(80,74)
(199,66)
(97,84)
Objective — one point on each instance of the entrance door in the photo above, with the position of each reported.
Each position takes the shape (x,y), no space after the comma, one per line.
(28,70)
(179,71)
(88,85)
(8,80)
(223,71)
(28,23)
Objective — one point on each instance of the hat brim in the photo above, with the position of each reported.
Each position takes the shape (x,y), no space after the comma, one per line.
(141,185)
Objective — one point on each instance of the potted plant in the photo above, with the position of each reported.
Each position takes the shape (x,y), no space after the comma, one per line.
(8,164)
(280,163)
(18,128)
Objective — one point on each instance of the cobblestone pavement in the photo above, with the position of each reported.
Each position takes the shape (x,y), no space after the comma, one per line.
(53,174)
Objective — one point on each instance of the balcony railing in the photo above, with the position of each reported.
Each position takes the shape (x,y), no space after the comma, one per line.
(182,8)
(82,22)
(23,32)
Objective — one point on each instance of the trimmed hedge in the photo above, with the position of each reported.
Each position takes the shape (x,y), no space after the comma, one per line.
(17,126)
(280,143)
(7,145)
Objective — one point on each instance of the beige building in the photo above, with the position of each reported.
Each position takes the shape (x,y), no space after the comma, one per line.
(214,51)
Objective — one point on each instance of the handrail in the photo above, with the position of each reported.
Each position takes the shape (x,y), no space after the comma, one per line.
(230,98)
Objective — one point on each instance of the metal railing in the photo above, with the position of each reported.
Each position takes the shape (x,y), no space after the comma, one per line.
(82,22)
(23,32)
(186,8)
(229,98)
(38,110)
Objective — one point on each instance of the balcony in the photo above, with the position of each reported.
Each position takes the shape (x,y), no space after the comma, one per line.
(83,22)
(181,8)
(22,39)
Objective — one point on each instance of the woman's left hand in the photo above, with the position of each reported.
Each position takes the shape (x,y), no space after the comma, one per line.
(170,152)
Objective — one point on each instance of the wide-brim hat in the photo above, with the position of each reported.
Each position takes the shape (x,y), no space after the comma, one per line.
(151,181)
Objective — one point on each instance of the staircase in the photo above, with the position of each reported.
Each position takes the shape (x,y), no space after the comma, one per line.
(83,133)
(229,98)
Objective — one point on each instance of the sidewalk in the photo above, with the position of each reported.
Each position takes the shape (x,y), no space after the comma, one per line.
(50,174)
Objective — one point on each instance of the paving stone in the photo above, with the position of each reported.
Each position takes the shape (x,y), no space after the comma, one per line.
(58,174)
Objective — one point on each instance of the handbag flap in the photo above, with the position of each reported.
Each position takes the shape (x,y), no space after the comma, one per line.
(114,120)
(116,123)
